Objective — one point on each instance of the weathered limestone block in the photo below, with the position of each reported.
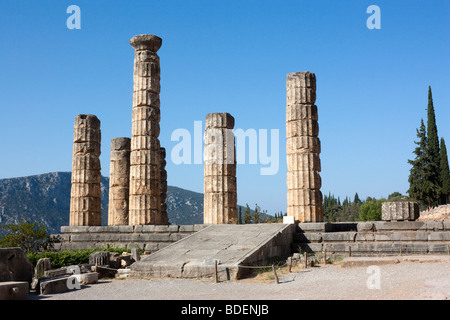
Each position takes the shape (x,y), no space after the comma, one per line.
(301,88)
(217,169)
(220,194)
(303,148)
(119,182)
(100,258)
(302,128)
(303,144)
(14,265)
(163,187)
(85,201)
(301,112)
(145,160)
(303,180)
(303,162)
(14,290)
(148,113)
(402,210)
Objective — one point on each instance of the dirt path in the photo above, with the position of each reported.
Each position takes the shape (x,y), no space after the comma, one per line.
(401,281)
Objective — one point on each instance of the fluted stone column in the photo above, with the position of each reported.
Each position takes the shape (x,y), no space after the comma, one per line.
(119,181)
(304,197)
(85,195)
(220,196)
(164,216)
(145,180)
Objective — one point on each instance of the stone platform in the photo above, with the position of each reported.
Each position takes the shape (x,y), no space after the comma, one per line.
(233,246)
(375,238)
(146,237)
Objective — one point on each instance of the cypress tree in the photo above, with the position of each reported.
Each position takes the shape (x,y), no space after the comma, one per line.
(445,174)
(422,186)
(240,216)
(433,142)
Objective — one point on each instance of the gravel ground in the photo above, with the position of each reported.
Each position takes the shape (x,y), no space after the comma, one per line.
(401,281)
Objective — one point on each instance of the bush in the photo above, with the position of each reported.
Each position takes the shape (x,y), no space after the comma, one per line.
(371,210)
(30,236)
(69,257)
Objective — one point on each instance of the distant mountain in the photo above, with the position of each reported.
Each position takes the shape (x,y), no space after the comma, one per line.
(45,198)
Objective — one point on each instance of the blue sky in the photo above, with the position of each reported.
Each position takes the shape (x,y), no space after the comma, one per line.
(229,56)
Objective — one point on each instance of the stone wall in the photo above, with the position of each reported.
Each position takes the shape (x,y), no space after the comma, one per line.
(146,237)
(374,238)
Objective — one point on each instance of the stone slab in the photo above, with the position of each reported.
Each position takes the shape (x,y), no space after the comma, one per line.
(351,262)
(314,226)
(14,290)
(14,265)
(219,241)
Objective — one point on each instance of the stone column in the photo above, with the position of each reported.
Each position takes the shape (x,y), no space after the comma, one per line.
(85,196)
(145,180)
(220,196)
(119,181)
(163,173)
(304,198)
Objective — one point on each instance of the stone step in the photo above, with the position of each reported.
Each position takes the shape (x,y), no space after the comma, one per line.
(374,248)
(351,236)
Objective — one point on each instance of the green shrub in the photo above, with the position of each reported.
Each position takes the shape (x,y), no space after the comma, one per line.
(69,257)
(30,236)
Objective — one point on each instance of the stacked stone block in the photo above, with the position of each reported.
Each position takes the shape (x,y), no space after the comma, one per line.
(145,172)
(164,216)
(85,197)
(119,182)
(304,197)
(220,191)
(399,211)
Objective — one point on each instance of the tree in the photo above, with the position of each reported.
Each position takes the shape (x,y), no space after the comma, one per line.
(445,174)
(433,142)
(256,215)
(240,216)
(247,215)
(30,236)
(371,210)
(357,199)
(422,185)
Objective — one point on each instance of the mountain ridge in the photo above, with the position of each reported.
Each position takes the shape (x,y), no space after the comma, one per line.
(45,198)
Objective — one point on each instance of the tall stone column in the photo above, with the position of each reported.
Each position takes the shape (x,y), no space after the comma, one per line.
(145,180)
(304,198)
(119,181)
(85,195)
(220,196)
(163,173)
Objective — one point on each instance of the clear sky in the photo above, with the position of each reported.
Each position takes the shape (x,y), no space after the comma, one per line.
(229,56)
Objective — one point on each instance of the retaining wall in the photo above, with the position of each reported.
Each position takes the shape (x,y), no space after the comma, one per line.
(147,237)
(374,238)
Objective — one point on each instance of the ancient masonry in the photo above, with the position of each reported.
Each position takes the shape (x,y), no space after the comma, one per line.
(145,163)
(220,192)
(163,174)
(304,197)
(119,181)
(85,196)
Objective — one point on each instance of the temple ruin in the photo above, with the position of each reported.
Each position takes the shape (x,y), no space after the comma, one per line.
(220,190)
(145,162)
(304,198)
(119,181)
(85,194)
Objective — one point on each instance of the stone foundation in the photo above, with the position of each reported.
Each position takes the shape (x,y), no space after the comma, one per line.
(146,237)
(374,238)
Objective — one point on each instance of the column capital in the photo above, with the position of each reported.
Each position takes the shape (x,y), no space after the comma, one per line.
(146,42)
